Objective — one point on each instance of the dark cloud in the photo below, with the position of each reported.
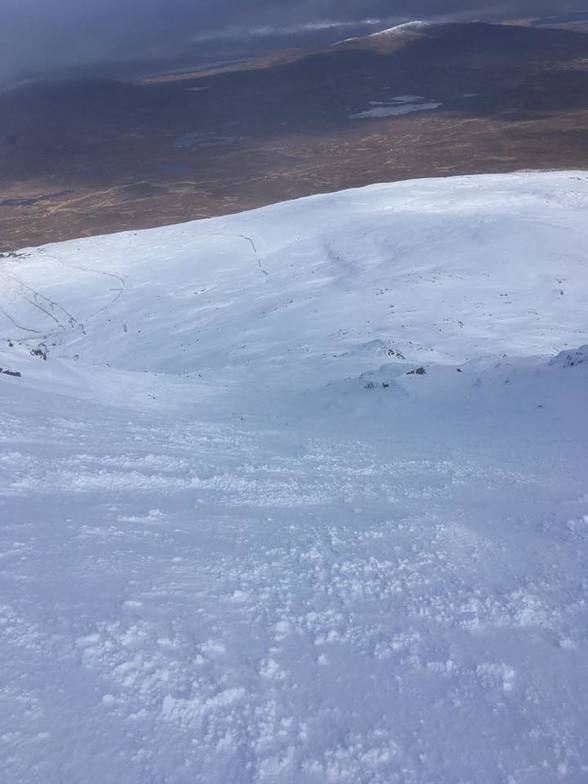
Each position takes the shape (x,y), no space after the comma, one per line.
(39,35)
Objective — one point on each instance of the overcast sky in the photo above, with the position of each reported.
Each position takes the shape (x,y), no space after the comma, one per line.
(44,34)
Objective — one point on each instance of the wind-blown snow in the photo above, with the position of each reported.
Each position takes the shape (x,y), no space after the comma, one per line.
(243,540)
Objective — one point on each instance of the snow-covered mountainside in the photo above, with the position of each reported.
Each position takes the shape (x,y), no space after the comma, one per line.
(301,495)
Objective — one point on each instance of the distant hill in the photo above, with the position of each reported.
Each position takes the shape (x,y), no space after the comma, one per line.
(414,101)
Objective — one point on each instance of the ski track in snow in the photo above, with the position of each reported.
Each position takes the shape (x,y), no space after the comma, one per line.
(275,557)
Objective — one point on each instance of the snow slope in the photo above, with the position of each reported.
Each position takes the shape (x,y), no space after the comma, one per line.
(242,540)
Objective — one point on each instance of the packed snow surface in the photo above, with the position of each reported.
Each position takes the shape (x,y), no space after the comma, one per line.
(301,495)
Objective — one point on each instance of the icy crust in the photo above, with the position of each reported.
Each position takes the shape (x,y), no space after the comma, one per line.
(570,359)
(299,495)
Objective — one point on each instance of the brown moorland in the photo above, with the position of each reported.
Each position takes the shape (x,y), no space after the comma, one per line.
(90,156)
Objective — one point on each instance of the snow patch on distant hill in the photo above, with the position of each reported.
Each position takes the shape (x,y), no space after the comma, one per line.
(414,25)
